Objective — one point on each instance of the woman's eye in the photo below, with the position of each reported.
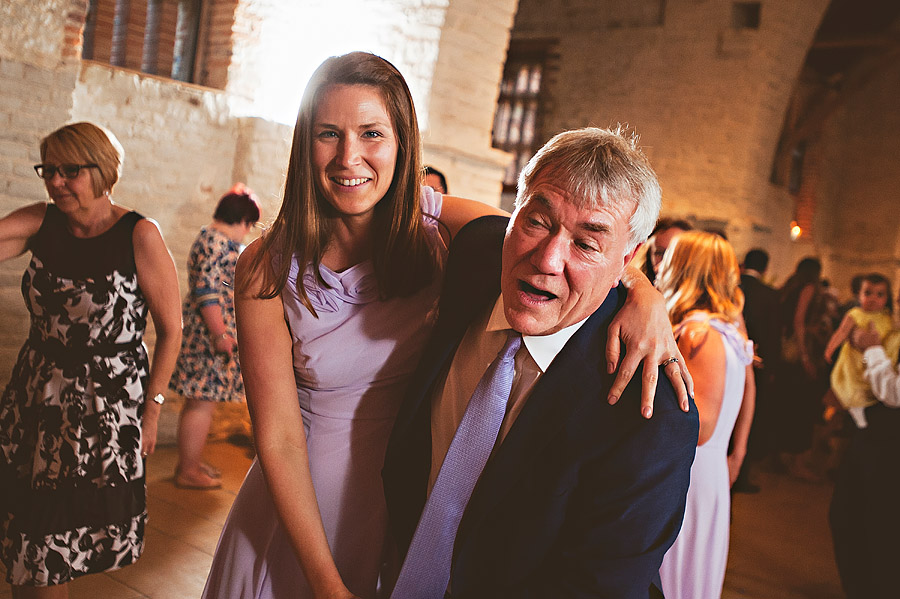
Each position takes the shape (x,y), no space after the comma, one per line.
(372,134)
(326,134)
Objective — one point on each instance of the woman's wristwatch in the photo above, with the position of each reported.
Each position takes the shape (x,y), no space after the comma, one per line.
(159,398)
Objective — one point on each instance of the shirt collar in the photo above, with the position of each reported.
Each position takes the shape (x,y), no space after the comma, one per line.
(543,348)
(753,273)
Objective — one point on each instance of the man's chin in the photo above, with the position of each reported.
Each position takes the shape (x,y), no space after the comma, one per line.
(530,320)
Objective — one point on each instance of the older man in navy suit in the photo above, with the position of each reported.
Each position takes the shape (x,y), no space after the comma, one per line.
(507,473)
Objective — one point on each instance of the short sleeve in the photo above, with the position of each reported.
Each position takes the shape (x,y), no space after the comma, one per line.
(432,201)
(208,265)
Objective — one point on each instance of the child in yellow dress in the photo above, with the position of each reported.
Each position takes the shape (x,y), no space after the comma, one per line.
(847,381)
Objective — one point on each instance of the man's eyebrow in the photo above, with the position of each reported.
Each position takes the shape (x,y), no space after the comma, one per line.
(543,201)
(595,227)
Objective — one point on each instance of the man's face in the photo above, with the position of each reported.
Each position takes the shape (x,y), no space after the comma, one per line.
(560,261)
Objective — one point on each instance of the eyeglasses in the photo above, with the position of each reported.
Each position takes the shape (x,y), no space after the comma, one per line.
(66,171)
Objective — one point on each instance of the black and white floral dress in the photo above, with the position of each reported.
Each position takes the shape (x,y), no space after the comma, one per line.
(72,493)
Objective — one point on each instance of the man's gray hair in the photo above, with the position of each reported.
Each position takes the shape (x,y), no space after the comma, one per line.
(597,166)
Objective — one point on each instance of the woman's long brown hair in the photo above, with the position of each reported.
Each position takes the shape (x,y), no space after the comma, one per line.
(404,259)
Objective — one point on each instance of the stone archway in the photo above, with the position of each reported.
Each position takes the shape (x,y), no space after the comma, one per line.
(840,140)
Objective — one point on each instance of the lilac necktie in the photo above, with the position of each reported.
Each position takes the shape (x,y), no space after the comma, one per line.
(426,570)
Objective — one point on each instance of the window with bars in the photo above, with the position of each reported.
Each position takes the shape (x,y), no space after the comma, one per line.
(518,117)
(159,37)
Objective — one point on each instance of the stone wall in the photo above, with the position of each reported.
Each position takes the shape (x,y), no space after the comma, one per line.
(857,177)
(186,144)
(707,99)
(37,75)
(474,39)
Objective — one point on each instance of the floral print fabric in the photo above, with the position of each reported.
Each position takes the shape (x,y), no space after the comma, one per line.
(73,499)
(201,373)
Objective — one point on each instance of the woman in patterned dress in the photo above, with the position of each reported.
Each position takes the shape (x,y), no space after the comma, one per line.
(208,370)
(80,412)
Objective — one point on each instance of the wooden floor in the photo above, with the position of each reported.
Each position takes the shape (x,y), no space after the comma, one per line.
(780,546)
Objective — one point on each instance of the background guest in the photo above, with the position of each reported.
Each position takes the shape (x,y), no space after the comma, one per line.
(81,409)
(803,379)
(208,370)
(699,279)
(847,381)
(665,231)
(764,329)
(436,180)
(865,521)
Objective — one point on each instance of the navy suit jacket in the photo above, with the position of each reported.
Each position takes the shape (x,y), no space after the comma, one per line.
(581,499)
(762,315)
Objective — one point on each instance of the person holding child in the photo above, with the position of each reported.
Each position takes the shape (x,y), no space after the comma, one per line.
(865,521)
(847,381)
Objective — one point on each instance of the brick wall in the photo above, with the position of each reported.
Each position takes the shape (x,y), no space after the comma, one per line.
(707,100)
(457,135)
(37,74)
(186,144)
(856,175)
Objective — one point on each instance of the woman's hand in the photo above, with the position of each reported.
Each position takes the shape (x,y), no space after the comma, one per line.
(643,326)
(149,427)
(735,461)
(224,344)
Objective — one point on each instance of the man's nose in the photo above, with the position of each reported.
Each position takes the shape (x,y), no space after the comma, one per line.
(550,256)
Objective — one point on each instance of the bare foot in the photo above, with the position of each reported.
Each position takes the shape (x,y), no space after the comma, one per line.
(198,481)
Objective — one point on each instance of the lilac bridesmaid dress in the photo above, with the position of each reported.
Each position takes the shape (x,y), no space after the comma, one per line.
(694,567)
(352,365)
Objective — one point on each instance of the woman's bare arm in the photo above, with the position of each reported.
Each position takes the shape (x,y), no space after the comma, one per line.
(18,227)
(458,212)
(158,280)
(267,368)
(742,426)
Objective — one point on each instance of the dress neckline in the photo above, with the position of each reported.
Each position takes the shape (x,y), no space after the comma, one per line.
(68,231)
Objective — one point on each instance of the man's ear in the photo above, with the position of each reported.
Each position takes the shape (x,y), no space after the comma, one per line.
(630,255)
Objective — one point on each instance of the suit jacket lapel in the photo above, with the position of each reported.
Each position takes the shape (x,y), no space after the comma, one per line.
(577,375)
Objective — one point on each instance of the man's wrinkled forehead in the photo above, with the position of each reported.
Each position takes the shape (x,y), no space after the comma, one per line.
(578,191)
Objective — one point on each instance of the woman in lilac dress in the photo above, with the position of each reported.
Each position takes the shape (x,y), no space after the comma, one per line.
(699,278)
(334,305)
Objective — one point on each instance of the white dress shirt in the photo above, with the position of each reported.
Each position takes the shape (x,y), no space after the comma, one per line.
(482,342)
(883,376)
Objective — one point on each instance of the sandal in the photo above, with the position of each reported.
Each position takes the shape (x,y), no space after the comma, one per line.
(210,470)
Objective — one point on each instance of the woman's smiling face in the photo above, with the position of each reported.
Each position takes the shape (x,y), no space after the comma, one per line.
(354,149)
